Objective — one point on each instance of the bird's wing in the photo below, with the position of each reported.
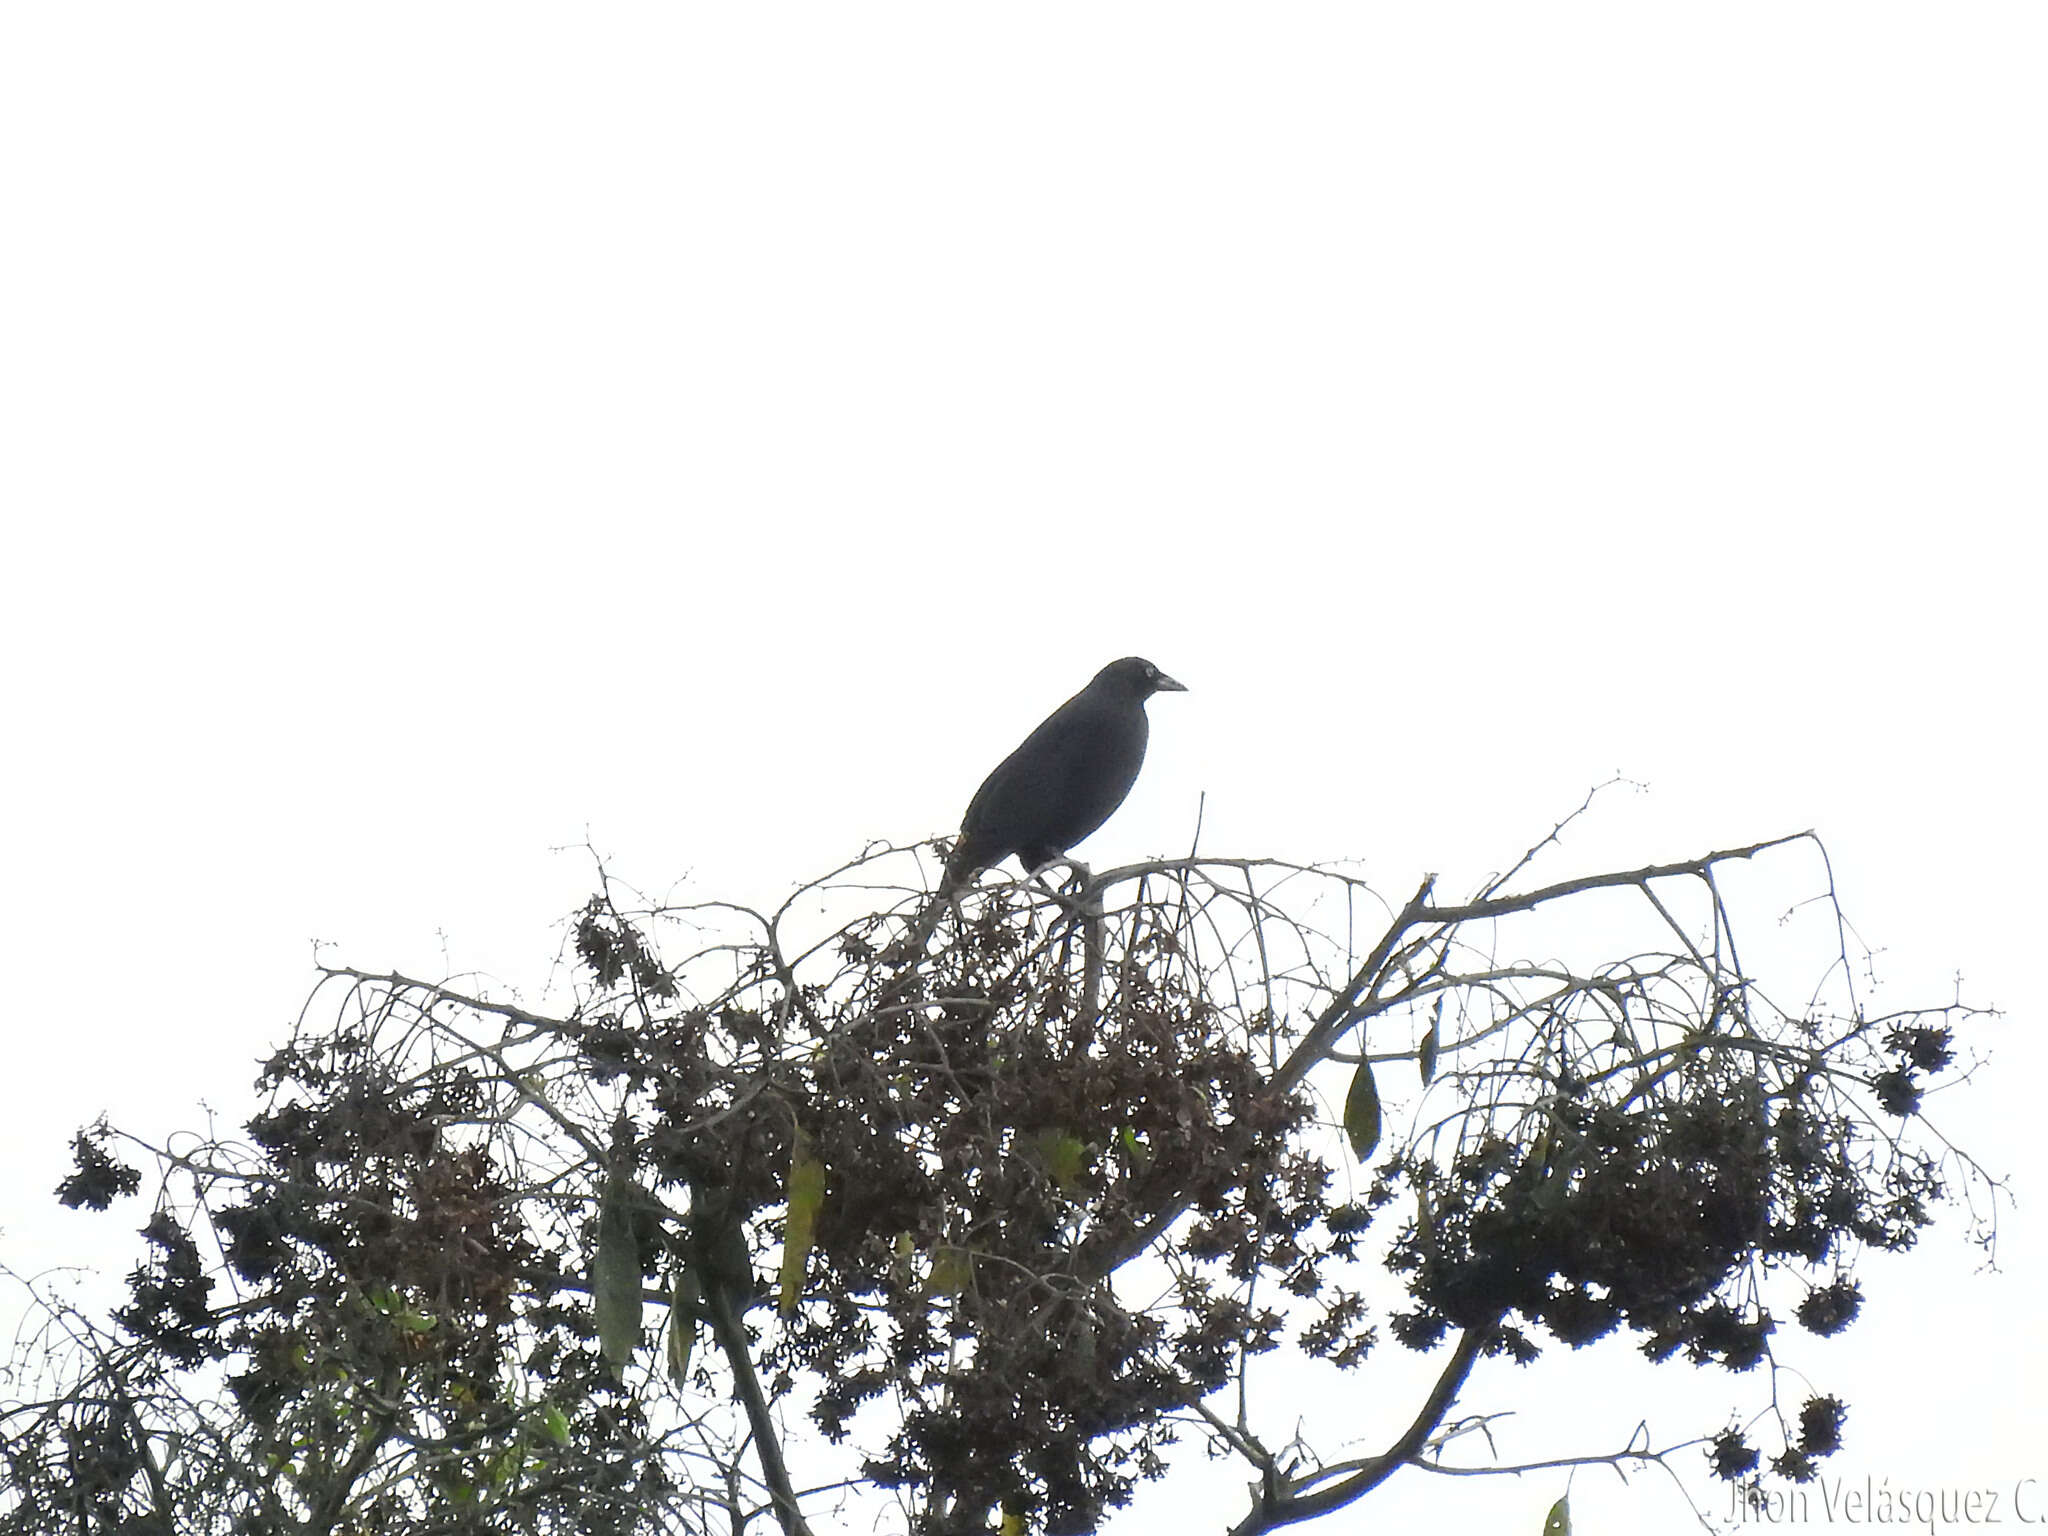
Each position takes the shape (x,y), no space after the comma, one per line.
(1062,782)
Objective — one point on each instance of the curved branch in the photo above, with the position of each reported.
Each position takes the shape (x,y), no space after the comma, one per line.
(732,1339)
(1276,1509)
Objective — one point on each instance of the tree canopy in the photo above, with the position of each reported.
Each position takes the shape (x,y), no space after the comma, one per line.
(769,1215)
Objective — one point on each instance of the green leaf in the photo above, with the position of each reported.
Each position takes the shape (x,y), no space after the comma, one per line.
(554,1423)
(1062,1155)
(1362,1112)
(806,1194)
(952,1268)
(1559,1520)
(684,1295)
(615,1275)
(1426,1058)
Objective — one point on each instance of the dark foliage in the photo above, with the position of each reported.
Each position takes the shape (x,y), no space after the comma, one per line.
(1077,1176)
(1732,1456)
(169,1309)
(1820,1425)
(1634,1208)
(1831,1308)
(614,950)
(98,1177)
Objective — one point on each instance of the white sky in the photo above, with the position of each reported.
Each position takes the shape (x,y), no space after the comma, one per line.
(435,434)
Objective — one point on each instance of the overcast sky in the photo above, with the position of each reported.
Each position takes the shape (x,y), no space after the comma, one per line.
(437,436)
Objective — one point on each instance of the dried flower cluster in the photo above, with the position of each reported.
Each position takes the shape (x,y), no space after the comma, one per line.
(998,1219)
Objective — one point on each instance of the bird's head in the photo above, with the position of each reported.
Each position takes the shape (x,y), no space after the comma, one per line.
(1138,677)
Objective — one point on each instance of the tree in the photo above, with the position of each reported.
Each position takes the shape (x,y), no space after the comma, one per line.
(775,1215)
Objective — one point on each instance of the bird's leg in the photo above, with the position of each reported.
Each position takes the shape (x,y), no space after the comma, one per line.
(1089,900)
(1084,911)
(1076,877)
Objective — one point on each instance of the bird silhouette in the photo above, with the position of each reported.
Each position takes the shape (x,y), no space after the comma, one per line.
(1065,779)
(1062,783)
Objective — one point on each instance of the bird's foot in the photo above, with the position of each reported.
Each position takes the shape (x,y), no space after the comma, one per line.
(1076,894)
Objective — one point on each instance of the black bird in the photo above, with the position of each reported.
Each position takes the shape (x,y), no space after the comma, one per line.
(1065,780)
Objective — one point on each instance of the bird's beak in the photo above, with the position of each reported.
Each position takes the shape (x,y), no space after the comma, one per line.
(1166,684)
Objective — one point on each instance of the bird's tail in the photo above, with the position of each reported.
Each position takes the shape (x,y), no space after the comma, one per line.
(952,881)
(957,875)
(960,867)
